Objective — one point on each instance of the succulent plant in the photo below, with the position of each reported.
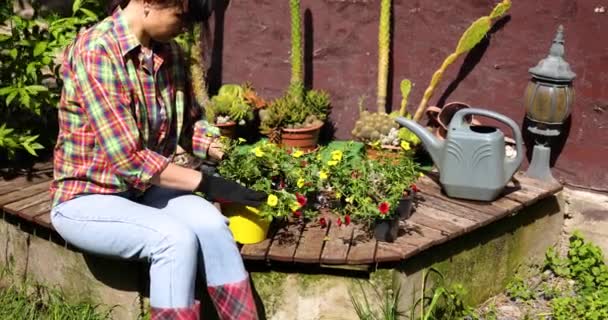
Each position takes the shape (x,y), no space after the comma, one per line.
(376,126)
(229,105)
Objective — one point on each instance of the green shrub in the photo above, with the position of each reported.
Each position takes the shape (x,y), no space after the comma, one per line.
(31,83)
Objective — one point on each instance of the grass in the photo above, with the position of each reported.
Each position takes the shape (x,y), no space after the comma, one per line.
(34,301)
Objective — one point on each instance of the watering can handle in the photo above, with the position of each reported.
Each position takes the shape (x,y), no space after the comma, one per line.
(511,165)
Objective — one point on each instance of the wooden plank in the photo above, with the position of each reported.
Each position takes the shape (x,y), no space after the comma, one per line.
(21,182)
(285,243)
(522,193)
(38,209)
(17,206)
(395,251)
(44,220)
(259,251)
(337,244)
(420,236)
(24,193)
(429,187)
(362,247)
(311,242)
(458,209)
(450,226)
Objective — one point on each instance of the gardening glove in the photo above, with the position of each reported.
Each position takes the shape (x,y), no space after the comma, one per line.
(226,191)
(200,10)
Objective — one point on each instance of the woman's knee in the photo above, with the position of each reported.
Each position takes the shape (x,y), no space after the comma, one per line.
(201,215)
(179,239)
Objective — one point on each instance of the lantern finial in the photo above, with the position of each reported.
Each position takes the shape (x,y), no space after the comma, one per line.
(554,67)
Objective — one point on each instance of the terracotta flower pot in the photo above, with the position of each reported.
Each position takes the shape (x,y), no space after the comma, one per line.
(441,117)
(227,129)
(385,152)
(305,139)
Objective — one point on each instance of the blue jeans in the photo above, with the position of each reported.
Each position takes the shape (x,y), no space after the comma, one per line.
(178,232)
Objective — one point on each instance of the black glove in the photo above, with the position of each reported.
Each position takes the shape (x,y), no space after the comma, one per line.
(226,191)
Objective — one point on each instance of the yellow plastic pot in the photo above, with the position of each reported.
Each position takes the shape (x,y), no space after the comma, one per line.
(246,224)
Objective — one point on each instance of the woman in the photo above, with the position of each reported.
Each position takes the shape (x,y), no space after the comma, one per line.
(123,110)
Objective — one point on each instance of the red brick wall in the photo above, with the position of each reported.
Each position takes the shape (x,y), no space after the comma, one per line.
(344,50)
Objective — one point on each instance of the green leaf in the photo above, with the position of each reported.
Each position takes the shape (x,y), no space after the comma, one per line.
(76,6)
(13,53)
(36,88)
(6,90)
(11,97)
(40,48)
(89,13)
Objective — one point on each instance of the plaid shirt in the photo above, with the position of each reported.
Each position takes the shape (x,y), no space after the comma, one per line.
(121,114)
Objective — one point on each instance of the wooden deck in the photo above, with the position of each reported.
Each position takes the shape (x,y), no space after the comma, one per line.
(436,220)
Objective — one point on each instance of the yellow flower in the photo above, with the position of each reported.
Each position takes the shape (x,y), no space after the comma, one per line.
(420,175)
(323,175)
(332,163)
(258,152)
(272,200)
(294,206)
(349,200)
(318,156)
(297,154)
(336,155)
(338,195)
(301,182)
(241,140)
(405,145)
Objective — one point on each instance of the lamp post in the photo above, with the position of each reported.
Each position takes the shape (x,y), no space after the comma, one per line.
(548,100)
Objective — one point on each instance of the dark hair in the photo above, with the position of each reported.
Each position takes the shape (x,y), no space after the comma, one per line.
(198,10)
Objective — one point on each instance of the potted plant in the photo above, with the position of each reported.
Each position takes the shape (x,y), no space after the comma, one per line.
(233,105)
(296,118)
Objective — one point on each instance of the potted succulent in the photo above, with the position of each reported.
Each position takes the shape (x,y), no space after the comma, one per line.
(296,118)
(233,105)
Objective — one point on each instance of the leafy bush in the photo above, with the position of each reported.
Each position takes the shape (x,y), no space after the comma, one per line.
(31,83)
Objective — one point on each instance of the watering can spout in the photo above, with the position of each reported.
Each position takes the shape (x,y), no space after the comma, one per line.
(433,145)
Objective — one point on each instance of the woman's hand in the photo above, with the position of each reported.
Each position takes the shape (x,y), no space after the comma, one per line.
(216,150)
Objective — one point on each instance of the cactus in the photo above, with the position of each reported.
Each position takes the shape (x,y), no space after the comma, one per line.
(296,86)
(383,54)
(406,87)
(471,37)
(197,68)
(376,126)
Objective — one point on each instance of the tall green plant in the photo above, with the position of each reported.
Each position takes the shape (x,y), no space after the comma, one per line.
(383,51)
(470,38)
(297,87)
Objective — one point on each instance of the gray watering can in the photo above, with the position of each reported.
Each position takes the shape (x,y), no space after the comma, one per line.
(471,160)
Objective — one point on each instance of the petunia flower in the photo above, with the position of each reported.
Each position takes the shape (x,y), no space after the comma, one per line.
(347,219)
(297,154)
(339,222)
(414,188)
(258,152)
(323,175)
(301,182)
(336,155)
(272,200)
(302,200)
(297,214)
(294,206)
(332,163)
(405,145)
(322,222)
(383,207)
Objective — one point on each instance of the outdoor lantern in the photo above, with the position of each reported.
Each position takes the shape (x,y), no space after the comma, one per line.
(548,100)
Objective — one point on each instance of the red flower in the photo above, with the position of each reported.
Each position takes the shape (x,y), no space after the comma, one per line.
(322,222)
(297,214)
(347,219)
(339,222)
(383,207)
(414,188)
(282,184)
(301,199)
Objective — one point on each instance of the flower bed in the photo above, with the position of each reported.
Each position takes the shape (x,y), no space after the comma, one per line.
(337,177)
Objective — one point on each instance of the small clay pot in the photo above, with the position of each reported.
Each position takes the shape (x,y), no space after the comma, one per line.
(441,117)
(227,129)
(305,139)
